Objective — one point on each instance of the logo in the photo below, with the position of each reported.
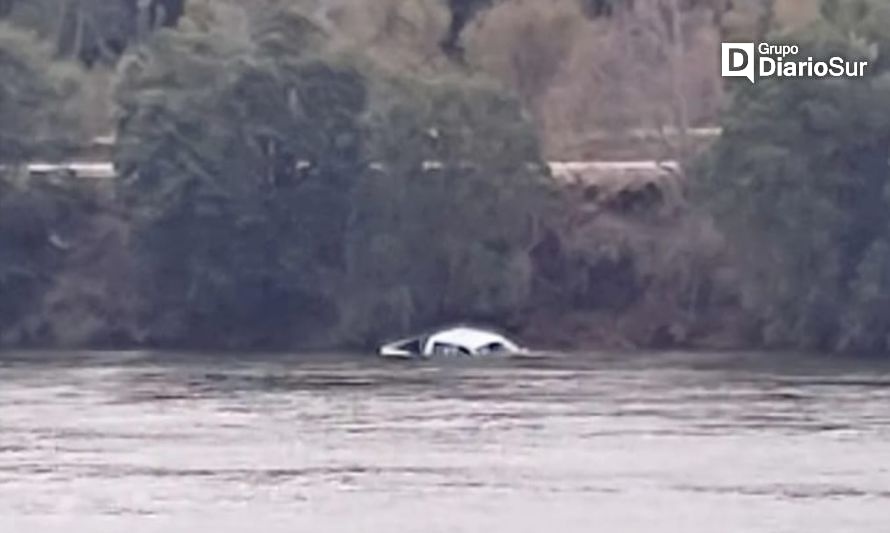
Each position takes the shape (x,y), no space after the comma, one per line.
(738,60)
(745,60)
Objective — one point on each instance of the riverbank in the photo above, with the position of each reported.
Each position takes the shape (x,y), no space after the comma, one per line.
(623,262)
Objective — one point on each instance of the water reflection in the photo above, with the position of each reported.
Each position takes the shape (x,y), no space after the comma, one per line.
(660,442)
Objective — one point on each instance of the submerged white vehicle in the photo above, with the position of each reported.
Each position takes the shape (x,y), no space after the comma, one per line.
(455,341)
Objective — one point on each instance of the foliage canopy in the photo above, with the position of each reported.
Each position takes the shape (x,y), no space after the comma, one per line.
(286,193)
(800,181)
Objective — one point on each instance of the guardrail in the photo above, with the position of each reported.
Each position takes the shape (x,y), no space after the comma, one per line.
(561,170)
(95,170)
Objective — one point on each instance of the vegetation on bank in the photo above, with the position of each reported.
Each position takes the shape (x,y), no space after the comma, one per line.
(799,183)
(293,176)
(282,191)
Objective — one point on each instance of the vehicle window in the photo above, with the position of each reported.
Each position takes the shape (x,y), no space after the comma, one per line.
(411,346)
(494,347)
(442,348)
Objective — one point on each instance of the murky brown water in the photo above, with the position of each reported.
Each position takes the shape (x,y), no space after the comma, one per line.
(580,443)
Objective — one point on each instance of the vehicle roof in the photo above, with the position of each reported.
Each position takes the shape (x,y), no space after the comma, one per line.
(472,338)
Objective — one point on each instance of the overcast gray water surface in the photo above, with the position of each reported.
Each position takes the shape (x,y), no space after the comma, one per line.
(574,443)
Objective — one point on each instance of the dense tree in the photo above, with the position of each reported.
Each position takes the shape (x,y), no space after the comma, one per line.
(241,217)
(441,228)
(34,97)
(799,180)
(33,120)
(92,30)
(281,195)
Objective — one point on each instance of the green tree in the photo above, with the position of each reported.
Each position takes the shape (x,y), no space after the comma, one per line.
(800,181)
(285,194)
(35,118)
(91,30)
(35,98)
(441,228)
(238,151)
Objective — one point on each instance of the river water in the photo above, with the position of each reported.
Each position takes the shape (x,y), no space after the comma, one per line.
(667,442)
